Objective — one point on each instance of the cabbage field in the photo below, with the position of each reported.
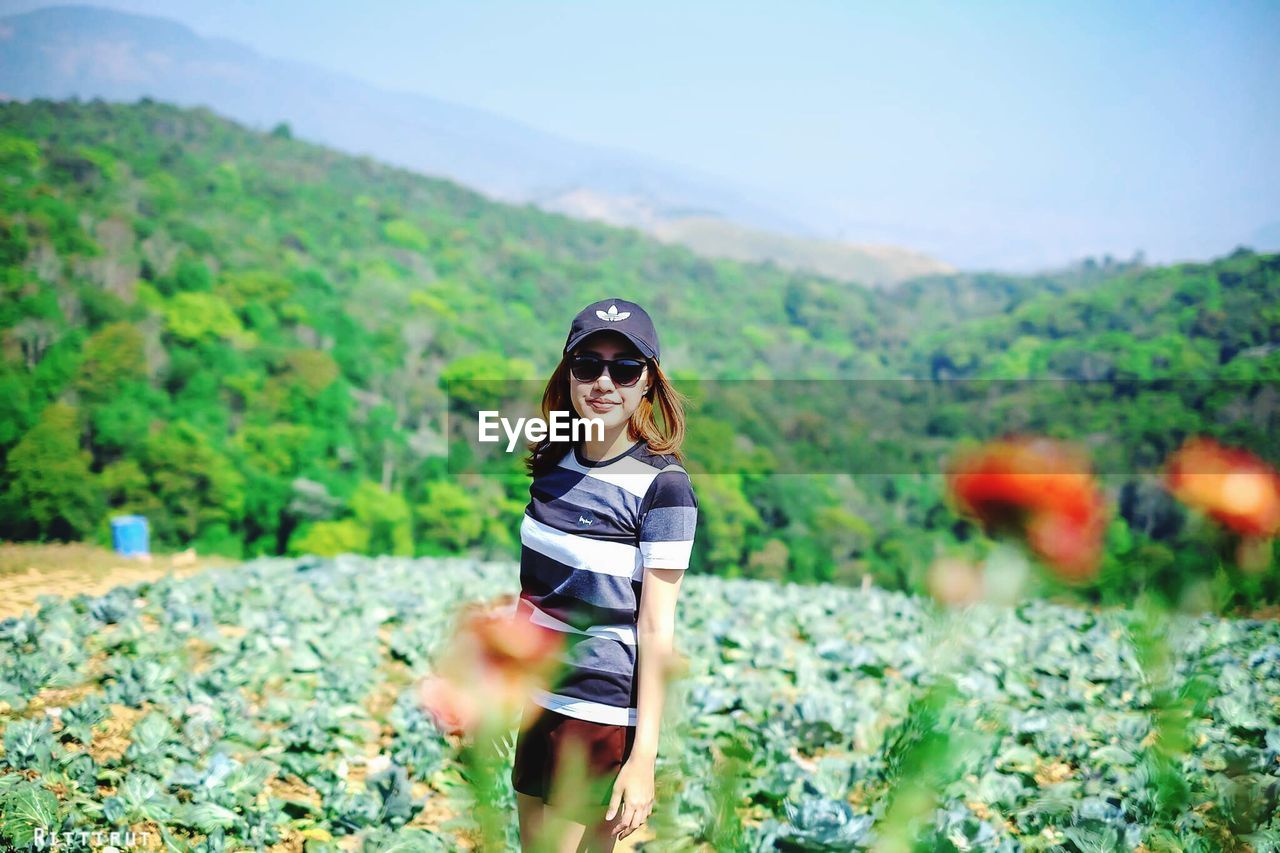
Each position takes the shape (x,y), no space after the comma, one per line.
(271,705)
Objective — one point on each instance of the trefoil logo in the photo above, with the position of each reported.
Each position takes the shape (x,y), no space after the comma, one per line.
(613,316)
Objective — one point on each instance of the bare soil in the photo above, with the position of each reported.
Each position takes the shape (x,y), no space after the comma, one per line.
(28,571)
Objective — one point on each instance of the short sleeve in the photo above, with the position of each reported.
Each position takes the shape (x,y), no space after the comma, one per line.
(670,514)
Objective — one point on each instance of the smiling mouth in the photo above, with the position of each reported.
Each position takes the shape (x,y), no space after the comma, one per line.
(601,403)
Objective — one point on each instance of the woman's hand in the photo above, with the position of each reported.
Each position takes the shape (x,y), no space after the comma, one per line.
(633,791)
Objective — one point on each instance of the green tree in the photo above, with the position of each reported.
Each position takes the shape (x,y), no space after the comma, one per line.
(51,493)
(200,316)
(330,538)
(727,521)
(386,517)
(114,354)
(127,488)
(449,519)
(195,485)
(16,414)
(121,422)
(406,235)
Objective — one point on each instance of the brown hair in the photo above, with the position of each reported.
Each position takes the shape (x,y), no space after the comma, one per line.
(643,426)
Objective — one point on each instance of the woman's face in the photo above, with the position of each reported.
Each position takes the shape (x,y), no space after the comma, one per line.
(603,398)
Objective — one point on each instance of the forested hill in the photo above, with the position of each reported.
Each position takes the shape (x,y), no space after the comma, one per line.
(242,336)
(153,192)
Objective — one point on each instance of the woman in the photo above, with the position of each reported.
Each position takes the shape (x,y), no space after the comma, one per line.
(605,541)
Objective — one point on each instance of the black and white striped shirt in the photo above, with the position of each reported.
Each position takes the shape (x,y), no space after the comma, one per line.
(589,531)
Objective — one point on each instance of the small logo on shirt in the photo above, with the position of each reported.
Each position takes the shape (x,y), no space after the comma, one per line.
(613,316)
(584,521)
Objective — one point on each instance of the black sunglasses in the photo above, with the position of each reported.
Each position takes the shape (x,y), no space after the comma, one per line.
(623,371)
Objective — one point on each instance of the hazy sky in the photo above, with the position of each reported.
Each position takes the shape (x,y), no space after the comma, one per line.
(1047,131)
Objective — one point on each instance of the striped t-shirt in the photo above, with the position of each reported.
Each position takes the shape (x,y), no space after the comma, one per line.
(589,532)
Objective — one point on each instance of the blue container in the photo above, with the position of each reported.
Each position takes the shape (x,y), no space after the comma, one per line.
(129,534)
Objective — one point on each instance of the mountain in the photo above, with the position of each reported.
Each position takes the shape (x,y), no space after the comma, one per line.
(90,52)
(252,340)
(874,265)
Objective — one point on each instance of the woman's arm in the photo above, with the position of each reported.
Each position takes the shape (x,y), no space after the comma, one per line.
(655,629)
(669,519)
(632,799)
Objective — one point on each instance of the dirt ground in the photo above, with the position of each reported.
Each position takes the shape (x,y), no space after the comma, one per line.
(28,571)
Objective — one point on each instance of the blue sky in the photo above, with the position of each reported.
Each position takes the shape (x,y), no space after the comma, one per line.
(1046,131)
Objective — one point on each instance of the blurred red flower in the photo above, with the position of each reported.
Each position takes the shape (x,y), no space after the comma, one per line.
(490,668)
(1039,489)
(1232,486)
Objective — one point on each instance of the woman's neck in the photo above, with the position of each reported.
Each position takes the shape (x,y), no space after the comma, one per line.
(608,447)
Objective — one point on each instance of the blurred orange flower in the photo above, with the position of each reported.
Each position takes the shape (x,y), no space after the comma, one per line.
(1232,486)
(1041,490)
(490,668)
(452,708)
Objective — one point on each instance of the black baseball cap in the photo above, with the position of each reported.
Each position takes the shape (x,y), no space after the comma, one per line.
(615,315)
